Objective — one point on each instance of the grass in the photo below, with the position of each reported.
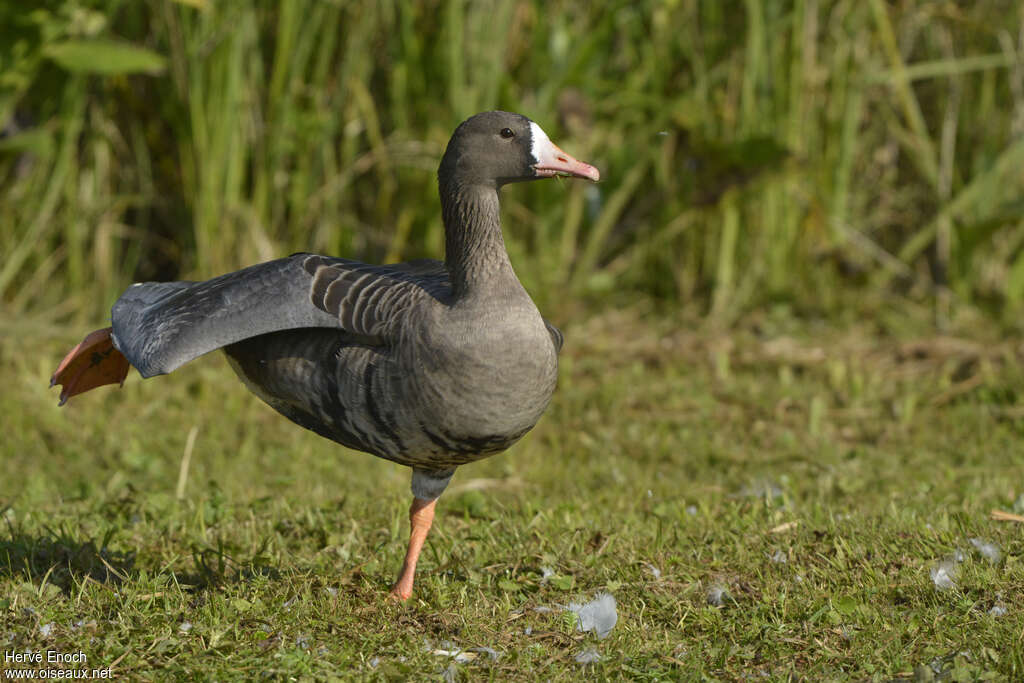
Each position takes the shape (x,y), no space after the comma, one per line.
(793,306)
(751,151)
(816,474)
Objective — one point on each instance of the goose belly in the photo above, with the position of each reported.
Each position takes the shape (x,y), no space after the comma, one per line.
(477,400)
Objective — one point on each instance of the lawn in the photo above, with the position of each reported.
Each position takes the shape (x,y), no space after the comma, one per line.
(785,499)
(789,398)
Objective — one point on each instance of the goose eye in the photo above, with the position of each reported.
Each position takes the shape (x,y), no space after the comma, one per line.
(507,133)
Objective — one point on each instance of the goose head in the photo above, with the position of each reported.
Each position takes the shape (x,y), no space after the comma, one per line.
(498,147)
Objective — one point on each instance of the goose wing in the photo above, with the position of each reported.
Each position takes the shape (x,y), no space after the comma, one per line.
(160,326)
(373,302)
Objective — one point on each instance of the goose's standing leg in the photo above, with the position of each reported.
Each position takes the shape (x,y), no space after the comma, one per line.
(421,516)
(426,488)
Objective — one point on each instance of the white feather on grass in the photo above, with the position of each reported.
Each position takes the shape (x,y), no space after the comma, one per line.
(599,615)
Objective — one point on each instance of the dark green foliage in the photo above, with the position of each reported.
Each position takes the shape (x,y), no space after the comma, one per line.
(750,151)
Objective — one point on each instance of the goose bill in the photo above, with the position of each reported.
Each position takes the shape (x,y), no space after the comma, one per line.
(552,161)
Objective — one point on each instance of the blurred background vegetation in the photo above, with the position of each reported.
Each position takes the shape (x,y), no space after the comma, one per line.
(814,155)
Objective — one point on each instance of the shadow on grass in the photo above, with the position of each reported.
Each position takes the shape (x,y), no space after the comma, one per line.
(217,567)
(60,558)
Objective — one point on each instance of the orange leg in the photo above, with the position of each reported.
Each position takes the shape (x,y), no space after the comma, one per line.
(421,516)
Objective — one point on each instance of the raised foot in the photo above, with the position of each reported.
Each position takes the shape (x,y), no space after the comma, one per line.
(93,363)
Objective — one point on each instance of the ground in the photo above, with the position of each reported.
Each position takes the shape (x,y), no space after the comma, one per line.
(779,498)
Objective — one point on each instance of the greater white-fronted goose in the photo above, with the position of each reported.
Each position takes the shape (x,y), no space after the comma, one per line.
(428,364)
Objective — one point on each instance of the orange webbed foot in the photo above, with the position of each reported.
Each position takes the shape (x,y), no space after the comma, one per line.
(93,363)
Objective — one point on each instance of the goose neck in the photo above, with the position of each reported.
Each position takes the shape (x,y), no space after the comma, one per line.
(475,253)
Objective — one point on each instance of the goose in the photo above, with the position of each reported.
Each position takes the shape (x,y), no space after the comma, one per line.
(425,363)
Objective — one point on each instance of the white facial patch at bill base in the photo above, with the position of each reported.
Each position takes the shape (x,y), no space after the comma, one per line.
(541,146)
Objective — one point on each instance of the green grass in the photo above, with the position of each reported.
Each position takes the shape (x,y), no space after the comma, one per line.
(750,151)
(793,303)
(863,456)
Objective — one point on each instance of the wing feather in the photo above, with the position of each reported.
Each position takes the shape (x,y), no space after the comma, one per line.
(556,336)
(159,326)
(371,301)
